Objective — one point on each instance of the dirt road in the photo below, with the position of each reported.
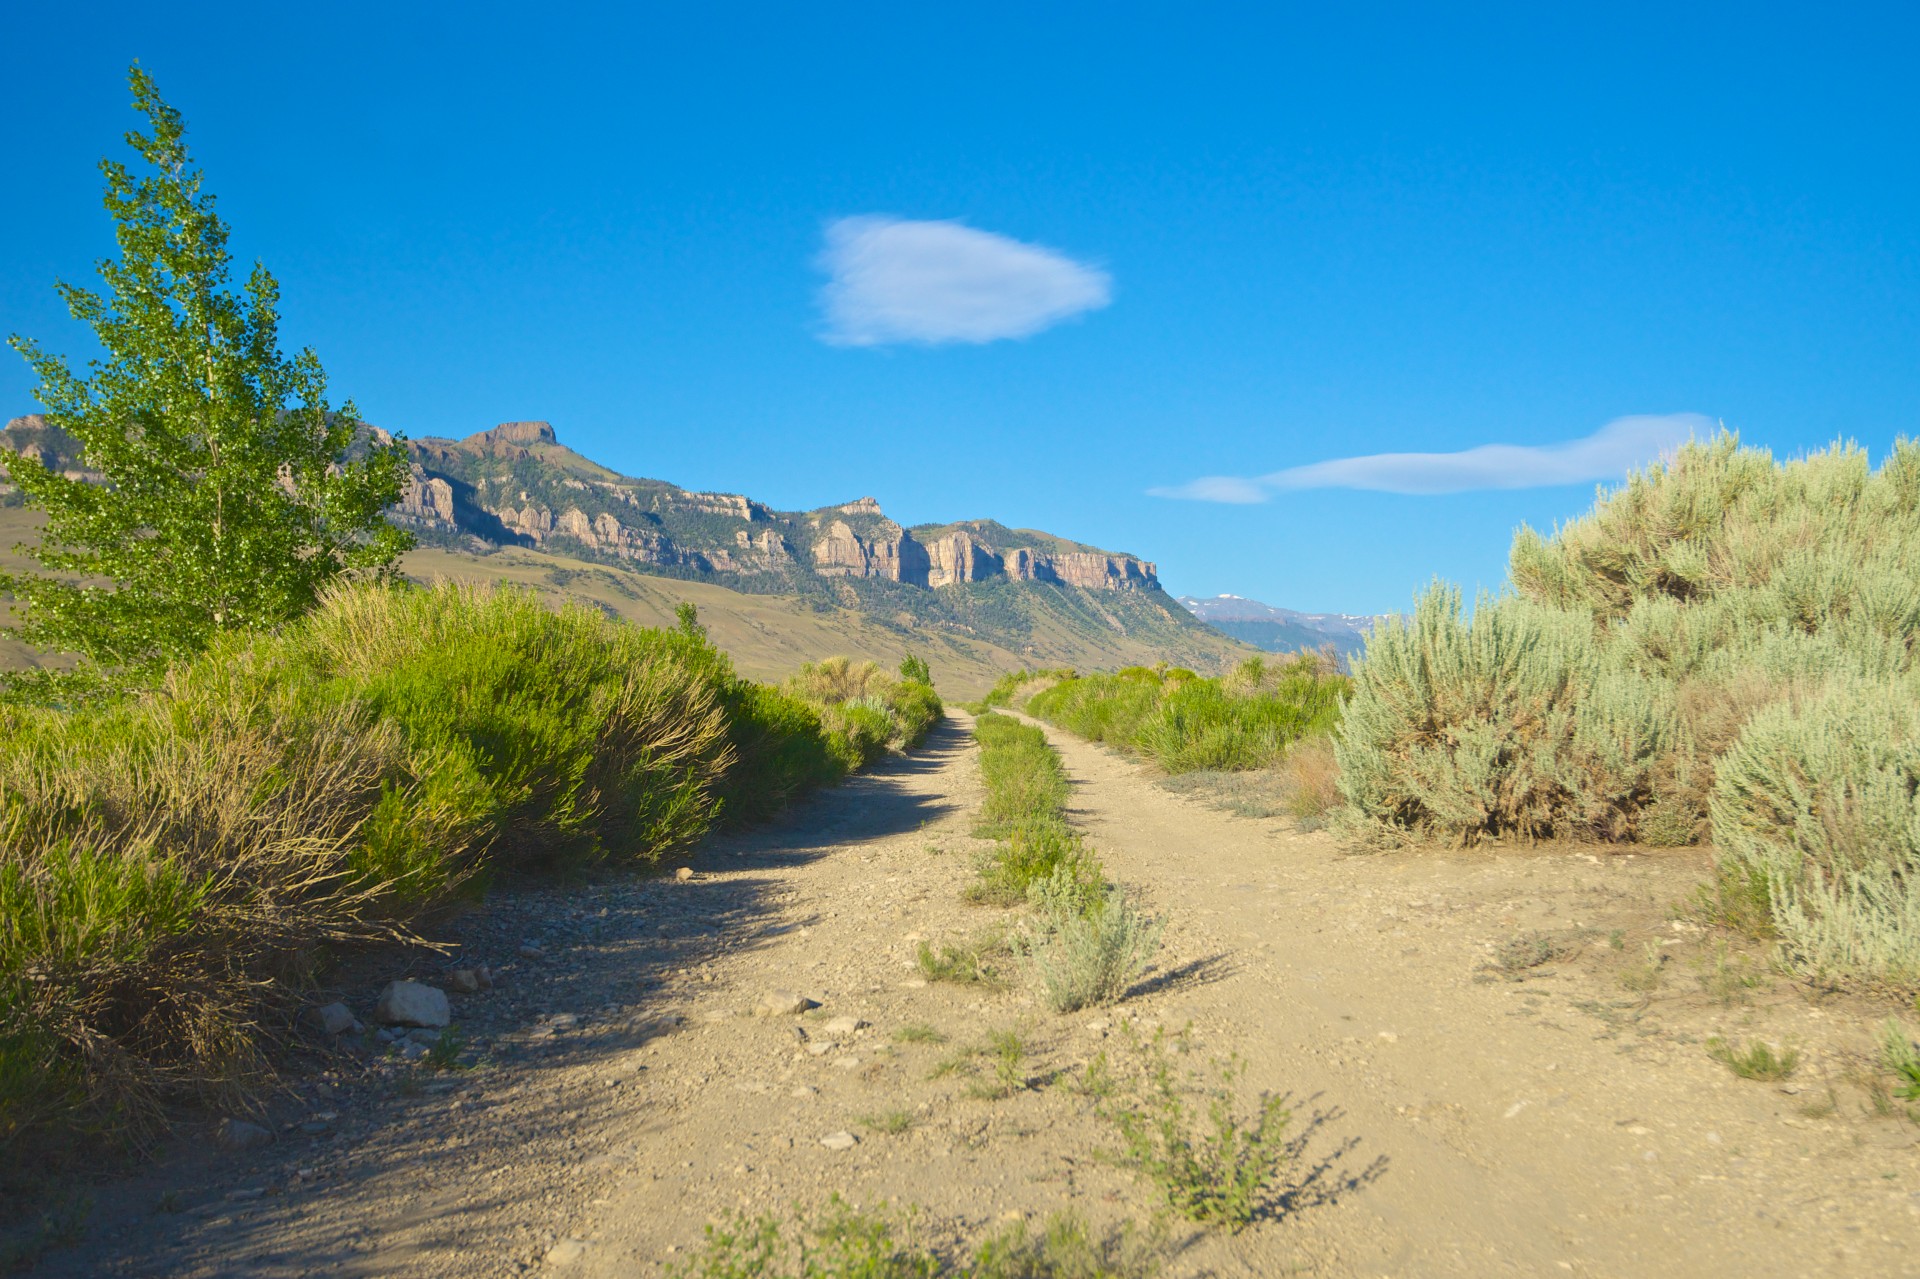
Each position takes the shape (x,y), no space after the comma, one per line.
(1477,1091)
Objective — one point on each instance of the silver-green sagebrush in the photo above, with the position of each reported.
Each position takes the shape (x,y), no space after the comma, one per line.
(232,494)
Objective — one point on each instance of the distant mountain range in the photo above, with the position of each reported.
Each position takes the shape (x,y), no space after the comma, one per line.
(513,503)
(1280,630)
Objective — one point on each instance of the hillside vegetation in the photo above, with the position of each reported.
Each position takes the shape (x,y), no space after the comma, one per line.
(1184,722)
(175,865)
(1724,649)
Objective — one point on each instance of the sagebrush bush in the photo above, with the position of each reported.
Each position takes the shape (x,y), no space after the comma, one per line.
(1723,646)
(1091,945)
(173,863)
(1816,821)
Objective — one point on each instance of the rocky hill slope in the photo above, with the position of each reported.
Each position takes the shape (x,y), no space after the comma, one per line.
(514,504)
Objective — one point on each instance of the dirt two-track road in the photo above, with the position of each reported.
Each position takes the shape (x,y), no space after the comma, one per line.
(1458,1109)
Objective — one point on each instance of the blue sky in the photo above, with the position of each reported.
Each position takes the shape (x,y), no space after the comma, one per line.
(1036,262)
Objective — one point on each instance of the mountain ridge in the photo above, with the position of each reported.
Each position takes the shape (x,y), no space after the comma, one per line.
(1281,630)
(512,503)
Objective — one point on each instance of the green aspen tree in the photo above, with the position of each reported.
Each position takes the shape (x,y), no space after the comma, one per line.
(232,493)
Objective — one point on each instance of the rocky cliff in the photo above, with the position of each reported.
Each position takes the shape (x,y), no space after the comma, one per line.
(516,483)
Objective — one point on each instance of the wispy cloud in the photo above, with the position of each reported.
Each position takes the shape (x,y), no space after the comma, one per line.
(1609,453)
(893,280)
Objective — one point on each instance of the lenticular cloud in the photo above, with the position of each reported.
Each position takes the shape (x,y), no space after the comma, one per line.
(1608,454)
(892,281)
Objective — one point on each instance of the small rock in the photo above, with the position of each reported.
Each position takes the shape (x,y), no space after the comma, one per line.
(820,1047)
(334,1019)
(1096,1028)
(803,1091)
(411,1051)
(530,951)
(683,874)
(412,1003)
(464,981)
(839,1141)
(717,1015)
(783,1003)
(247,1192)
(566,1252)
(842,1027)
(1389,1037)
(846,1063)
(238,1134)
(425,1038)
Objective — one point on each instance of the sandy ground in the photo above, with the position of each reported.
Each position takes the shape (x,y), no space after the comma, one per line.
(1458,1108)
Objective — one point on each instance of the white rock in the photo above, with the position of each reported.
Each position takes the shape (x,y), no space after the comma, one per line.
(238,1134)
(683,874)
(783,1003)
(842,1027)
(333,1019)
(839,1141)
(566,1252)
(412,1003)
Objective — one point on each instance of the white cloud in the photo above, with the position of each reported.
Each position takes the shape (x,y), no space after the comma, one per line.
(1608,454)
(892,280)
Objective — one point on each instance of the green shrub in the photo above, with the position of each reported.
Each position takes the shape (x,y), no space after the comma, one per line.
(1185,723)
(1026,783)
(173,863)
(866,710)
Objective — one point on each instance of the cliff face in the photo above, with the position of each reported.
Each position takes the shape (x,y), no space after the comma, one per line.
(516,482)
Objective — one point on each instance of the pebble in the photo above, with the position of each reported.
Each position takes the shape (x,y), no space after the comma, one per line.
(842,1027)
(334,1019)
(683,874)
(839,1141)
(530,951)
(467,981)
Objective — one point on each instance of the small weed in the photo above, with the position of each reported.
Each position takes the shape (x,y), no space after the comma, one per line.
(965,963)
(892,1122)
(1617,939)
(1899,1055)
(918,1033)
(1531,950)
(1064,1248)
(170,1201)
(1822,1108)
(62,1226)
(839,1243)
(1731,976)
(1758,1060)
(1007,1060)
(1218,1167)
(1645,976)
(444,1053)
